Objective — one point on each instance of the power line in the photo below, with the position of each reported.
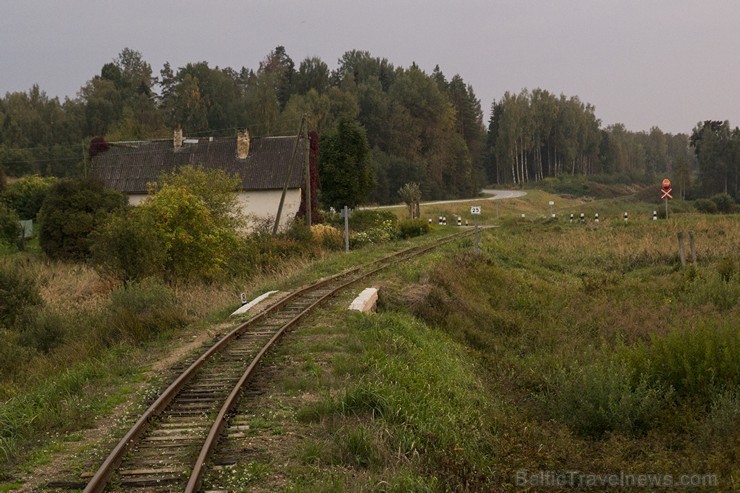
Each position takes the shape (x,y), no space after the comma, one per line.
(200,133)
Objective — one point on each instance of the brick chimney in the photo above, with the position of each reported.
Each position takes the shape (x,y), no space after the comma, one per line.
(177,139)
(242,144)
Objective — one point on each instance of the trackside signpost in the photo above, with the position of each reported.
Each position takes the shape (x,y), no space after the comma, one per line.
(665,194)
(475,212)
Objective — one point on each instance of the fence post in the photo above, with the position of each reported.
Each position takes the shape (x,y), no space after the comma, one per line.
(692,247)
(681,252)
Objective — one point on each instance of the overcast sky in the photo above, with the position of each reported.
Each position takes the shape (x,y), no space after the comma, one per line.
(644,63)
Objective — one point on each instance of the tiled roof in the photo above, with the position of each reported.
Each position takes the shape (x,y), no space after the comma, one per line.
(129,166)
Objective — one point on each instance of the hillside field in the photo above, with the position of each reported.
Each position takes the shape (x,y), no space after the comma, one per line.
(562,355)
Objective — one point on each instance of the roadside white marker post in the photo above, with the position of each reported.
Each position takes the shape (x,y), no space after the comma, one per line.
(596,217)
(571,218)
(625,217)
(655,215)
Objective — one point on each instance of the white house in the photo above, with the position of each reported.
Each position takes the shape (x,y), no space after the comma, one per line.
(262,164)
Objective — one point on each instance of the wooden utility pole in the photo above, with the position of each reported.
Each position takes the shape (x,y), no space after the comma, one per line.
(287,178)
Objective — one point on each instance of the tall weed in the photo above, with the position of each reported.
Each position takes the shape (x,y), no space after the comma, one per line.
(140,311)
(599,398)
(697,362)
(19,292)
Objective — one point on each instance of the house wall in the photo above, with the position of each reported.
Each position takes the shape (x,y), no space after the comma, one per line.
(264,204)
(260,204)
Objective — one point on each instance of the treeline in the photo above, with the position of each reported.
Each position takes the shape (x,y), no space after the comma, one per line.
(419,127)
(535,135)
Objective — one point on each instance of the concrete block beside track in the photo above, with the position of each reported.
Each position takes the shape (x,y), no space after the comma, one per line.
(366,301)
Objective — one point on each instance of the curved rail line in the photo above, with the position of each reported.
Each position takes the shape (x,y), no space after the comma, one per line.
(188,417)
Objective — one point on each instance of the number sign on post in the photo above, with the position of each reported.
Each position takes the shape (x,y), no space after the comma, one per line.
(475,211)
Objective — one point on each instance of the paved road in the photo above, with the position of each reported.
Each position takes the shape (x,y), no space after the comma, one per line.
(495,195)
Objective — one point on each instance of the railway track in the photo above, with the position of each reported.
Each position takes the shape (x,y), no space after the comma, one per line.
(169,447)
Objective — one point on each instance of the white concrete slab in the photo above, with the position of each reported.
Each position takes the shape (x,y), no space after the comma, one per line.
(366,301)
(245,308)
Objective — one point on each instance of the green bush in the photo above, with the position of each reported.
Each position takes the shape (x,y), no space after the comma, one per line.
(412,228)
(566,185)
(129,246)
(299,231)
(19,291)
(43,330)
(173,235)
(724,202)
(72,210)
(10,226)
(27,194)
(724,415)
(706,206)
(718,288)
(365,219)
(603,397)
(697,362)
(140,311)
(13,356)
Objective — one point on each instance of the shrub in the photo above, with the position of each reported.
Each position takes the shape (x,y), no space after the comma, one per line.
(12,356)
(18,292)
(364,219)
(602,397)
(299,231)
(139,311)
(198,245)
(716,288)
(724,415)
(10,226)
(129,246)
(412,228)
(72,210)
(706,206)
(27,194)
(215,187)
(185,230)
(696,362)
(328,237)
(724,202)
(42,330)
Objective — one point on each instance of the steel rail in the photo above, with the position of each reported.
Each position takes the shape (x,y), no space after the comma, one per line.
(211,441)
(104,473)
(101,478)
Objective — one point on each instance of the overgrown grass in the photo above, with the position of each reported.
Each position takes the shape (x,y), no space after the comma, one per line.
(597,336)
(76,318)
(416,403)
